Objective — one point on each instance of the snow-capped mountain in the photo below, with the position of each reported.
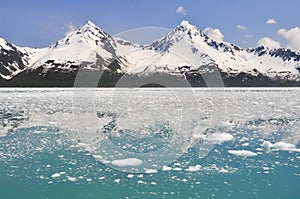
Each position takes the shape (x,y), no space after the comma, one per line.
(14,59)
(89,46)
(185,51)
(11,60)
(188,46)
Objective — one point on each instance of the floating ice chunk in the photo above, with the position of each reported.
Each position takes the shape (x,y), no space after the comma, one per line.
(177,169)
(89,180)
(149,171)
(184,180)
(55,175)
(245,144)
(140,176)
(193,168)
(117,180)
(141,182)
(130,176)
(266,168)
(166,168)
(219,138)
(223,170)
(296,150)
(72,179)
(127,162)
(281,146)
(244,153)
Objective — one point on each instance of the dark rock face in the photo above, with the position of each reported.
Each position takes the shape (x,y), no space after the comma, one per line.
(110,78)
(284,54)
(10,60)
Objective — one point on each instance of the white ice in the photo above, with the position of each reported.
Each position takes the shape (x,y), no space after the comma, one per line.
(244,153)
(127,162)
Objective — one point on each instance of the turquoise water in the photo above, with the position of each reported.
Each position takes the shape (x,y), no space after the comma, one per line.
(43,158)
(29,159)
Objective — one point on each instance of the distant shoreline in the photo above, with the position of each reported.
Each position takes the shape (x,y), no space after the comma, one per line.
(156,80)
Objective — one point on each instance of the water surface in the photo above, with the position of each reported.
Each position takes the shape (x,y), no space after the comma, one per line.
(180,143)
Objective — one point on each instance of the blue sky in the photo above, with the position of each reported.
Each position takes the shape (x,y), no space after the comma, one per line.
(40,23)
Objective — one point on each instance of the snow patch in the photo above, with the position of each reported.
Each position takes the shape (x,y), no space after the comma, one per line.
(3,44)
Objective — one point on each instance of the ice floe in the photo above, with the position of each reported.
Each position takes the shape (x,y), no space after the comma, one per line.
(150,171)
(244,153)
(193,168)
(280,146)
(127,162)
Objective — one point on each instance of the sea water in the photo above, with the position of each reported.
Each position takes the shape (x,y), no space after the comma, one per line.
(150,143)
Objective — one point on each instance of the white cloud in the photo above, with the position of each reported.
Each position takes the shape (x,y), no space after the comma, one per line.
(70,28)
(271,21)
(181,10)
(292,36)
(268,42)
(214,34)
(240,27)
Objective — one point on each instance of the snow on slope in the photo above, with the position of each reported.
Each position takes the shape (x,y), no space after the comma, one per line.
(11,60)
(4,45)
(183,49)
(187,45)
(9,65)
(84,45)
(14,59)
(32,54)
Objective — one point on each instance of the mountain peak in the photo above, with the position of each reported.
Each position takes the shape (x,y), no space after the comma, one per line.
(93,29)
(185,23)
(89,35)
(5,45)
(187,28)
(90,23)
(3,41)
